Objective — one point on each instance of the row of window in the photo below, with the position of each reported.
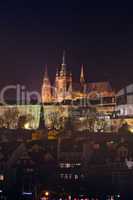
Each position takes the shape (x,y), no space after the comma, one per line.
(69,176)
(69,165)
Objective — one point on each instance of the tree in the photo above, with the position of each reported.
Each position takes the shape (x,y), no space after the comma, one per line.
(56,119)
(10,118)
(24,119)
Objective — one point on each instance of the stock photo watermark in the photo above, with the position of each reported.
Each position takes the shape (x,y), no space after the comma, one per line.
(25,97)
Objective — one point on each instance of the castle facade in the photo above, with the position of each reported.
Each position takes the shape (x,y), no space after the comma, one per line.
(65,89)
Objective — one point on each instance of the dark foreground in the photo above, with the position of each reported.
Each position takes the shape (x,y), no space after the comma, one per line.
(73,168)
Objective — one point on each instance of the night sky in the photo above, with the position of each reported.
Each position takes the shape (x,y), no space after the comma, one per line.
(33,33)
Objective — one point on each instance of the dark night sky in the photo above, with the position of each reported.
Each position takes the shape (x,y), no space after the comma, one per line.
(33,33)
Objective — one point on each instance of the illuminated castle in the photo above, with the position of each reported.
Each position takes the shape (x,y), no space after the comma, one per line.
(65,89)
(62,87)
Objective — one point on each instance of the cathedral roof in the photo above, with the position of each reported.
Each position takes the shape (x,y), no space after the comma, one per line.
(103,88)
(100,86)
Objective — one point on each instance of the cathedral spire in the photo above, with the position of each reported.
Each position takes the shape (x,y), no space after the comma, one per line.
(63,65)
(64,58)
(46,72)
(46,88)
(82,79)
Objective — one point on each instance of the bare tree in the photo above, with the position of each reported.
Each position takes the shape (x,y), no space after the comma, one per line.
(56,120)
(10,118)
(24,119)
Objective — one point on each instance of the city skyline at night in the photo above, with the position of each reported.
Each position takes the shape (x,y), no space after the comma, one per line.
(66,100)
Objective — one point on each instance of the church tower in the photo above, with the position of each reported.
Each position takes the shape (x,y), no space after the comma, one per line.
(63,65)
(61,80)
(46,88)
(82,79)
(82,82)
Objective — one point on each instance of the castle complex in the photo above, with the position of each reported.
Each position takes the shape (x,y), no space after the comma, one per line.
(64,100)
(81,102)
(65,89)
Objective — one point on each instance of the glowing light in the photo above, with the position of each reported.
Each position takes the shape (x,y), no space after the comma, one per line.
(131,130)
(27,126)
(46,193)
(1,177)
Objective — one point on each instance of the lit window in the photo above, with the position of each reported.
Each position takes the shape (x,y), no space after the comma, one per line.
(68,165)
(76,177)
(66,176)
(1,177)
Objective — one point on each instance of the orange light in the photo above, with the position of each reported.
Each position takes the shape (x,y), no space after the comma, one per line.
(46,194)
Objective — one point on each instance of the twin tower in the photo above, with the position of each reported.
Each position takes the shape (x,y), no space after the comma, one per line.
(63,86)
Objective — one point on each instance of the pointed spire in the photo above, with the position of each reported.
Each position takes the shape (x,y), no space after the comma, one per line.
(46,87)
(63,65)
(46,71)
(82,79)
(64,58)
